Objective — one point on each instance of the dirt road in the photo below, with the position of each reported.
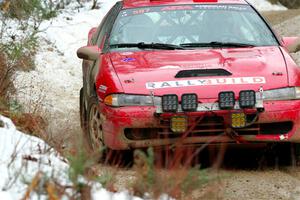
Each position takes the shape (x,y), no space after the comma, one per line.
(277,182)
(277,17)
(280,183)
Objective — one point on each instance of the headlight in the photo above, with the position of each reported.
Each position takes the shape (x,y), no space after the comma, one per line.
(282,94)
(118,100)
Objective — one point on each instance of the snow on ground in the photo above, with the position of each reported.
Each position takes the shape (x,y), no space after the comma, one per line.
(23,156)
(264,5)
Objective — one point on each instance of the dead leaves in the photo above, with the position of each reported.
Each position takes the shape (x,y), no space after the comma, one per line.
(5,6)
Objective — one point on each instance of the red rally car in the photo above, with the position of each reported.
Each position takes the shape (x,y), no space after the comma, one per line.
(159,72)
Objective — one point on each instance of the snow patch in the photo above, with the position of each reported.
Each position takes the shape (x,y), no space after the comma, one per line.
(23,156)
(99,193)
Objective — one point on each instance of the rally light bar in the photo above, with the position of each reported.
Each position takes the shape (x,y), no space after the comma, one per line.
(170,103)
(247,99)
(189,103)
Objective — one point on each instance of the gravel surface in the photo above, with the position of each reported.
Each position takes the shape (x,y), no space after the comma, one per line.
(290,27)
(277,17)
(282,183)
(269,184)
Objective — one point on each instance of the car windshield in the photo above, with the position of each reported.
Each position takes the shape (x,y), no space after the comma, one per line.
(191,26)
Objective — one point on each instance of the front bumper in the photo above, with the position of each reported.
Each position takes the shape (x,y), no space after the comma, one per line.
(279,122)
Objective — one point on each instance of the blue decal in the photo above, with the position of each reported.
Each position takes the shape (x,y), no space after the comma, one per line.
(128,59)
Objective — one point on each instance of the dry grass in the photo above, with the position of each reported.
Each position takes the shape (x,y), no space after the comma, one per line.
(177,174)
(6,84)
(27,122)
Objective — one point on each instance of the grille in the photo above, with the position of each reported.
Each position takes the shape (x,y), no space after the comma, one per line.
(210,126)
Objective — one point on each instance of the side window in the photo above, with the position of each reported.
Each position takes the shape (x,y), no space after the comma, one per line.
(99,29)
(102,25)
(107,24)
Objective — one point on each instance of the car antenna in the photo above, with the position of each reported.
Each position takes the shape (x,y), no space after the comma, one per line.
(152,96)
(261,92)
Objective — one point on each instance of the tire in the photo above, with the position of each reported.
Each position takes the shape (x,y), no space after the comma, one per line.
(278,155)
(94,134)
(295,152)
(94,138)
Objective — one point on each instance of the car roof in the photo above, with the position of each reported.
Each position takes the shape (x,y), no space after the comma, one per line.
(144,3)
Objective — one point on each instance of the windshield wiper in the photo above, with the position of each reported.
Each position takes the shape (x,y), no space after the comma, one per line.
(217,44)
(142,45)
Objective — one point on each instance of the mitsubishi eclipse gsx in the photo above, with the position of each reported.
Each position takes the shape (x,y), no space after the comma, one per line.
(159,72)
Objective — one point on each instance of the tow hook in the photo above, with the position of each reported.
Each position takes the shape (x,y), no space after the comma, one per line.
(234,135)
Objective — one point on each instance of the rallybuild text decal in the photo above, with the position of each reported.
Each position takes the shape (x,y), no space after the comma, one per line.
(206,82)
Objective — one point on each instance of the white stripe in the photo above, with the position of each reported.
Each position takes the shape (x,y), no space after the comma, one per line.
(206,82)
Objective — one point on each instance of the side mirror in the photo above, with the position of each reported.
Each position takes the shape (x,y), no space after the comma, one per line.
(291,43)
(91,53)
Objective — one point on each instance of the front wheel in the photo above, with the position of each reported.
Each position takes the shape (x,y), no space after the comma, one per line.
(94,138)
(94,131)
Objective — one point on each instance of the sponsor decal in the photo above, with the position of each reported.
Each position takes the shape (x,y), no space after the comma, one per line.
(170,67)
(102,88)
(223,7)
(206,82)
(167,8)
(128,59)
(141,11)
(124,14)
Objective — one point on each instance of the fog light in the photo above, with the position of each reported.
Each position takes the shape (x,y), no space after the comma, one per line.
(238,120)
(179,124)
(170,103)
(189,102)
(226,100)
(247,99)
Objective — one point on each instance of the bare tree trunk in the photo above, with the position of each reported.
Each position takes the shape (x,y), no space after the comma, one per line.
(94,6)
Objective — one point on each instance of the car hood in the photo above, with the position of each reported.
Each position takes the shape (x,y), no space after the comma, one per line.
(143,72)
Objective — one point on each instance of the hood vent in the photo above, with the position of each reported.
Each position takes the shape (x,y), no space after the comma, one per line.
(202,73)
